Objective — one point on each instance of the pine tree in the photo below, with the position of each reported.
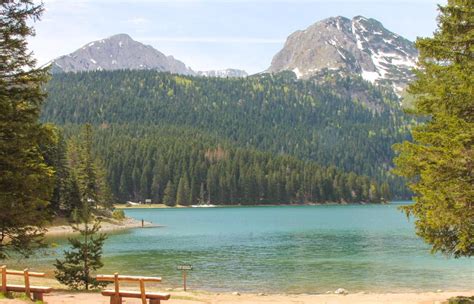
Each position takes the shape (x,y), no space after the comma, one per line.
(62,175)
(169,195)
(26,181)
(211,185)
(193,191)
(202,194)
(183,192)
(105,193)
(87,171)
(90,187)
(77,268)
(72,195)
(439,162)
(66,196)
(145,180)
(155,188)
(123,188)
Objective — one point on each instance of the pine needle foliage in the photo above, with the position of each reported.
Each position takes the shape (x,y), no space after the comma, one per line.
(77,268)
(439,162)
(26,181)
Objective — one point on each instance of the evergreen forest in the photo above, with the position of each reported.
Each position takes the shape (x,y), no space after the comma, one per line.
(261,139)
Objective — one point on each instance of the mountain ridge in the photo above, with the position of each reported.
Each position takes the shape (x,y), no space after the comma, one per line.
(121,52)
(118,52)
(360,45)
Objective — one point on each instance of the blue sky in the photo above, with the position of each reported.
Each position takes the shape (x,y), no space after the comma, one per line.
(212,34)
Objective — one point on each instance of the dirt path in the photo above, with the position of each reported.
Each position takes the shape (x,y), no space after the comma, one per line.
(228,298)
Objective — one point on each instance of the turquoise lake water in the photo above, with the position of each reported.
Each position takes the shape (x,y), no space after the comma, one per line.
(301,249)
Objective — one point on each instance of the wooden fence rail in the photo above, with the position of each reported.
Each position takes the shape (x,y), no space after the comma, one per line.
(27,288)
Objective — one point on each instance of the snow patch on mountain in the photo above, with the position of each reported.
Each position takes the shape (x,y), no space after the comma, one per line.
(353,46)
(370,76)
(223,73)
(297,72)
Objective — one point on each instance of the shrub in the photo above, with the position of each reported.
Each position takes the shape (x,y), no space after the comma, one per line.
(118,215)
(461,300)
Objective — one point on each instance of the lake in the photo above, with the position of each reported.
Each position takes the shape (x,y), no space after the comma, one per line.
(291,249)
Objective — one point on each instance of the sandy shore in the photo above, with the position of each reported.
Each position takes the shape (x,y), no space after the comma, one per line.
(147,206)
(163,206)
(59,297)
(110,225)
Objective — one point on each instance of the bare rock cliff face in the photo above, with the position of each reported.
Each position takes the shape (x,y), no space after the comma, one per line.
(118,52)
(359,46)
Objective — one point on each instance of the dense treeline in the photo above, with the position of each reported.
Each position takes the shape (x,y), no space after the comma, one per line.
(271,113)
(182,166)
(80,177)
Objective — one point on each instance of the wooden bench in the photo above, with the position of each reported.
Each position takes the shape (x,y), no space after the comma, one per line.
(28,289)
(116,294)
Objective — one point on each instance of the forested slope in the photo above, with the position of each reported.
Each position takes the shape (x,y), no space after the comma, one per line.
(276,114)
(178,165)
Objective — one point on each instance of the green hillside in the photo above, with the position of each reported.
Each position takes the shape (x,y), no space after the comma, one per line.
(346,123)
(177,165)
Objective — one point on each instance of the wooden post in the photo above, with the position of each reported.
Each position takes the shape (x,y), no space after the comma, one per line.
(4,279)
(117,299)
(184,268)
(27,283)
(184,280)
(37,296)
(142,291)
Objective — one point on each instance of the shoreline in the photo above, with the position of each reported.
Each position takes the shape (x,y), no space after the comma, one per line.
(106,226)
(198,297)
(163,206)
(62,295)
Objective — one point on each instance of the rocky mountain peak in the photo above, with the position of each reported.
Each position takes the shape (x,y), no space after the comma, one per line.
(121,52)
(118,52)
(359,45)
(121,36)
